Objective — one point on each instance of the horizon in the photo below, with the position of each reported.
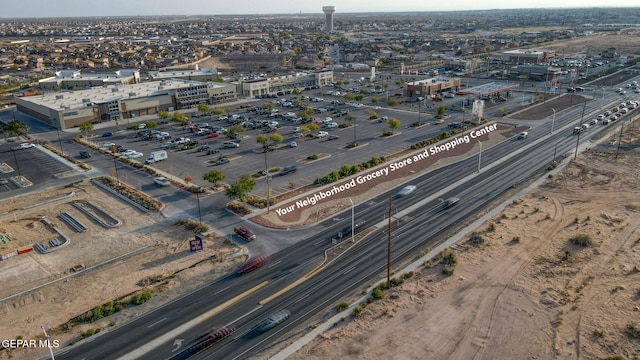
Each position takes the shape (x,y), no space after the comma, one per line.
(201,8)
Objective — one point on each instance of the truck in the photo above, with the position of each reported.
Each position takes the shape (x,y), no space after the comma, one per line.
(245,233)
(156,156)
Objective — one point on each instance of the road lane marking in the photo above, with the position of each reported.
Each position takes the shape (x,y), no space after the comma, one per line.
(167,337)
(219,291)
(291,286)
(349,270)
(157,322)
(275,263)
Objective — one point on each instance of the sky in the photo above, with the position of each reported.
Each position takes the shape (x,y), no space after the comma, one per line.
(79,8)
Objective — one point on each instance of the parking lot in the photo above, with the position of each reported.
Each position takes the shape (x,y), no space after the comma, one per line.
(248,157)
(33,163)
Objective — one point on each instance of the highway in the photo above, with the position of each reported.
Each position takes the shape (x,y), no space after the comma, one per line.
(420,220)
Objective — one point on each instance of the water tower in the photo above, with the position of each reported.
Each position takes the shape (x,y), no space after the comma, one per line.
(328,17)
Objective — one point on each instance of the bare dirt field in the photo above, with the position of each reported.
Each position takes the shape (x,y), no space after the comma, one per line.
(527,291)
(163,251)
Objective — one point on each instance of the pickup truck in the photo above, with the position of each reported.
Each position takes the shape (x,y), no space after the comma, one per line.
(245,233)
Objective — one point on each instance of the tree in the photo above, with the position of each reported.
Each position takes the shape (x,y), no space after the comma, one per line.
(214,177)
(441,111)
(372,114)
(164,115)
(374,100)
(393,124)
(306,113)
(268,106)
(219,111)
(233,131)
(17,128)
(203,108)
(85,127)
(241,188)
(179,117)
(359,97)
(150,124)
(351,118)
(263,140)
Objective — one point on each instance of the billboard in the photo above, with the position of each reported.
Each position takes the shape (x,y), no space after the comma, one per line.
(477,110)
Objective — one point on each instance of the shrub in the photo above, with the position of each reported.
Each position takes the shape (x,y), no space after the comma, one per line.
(449,258)
(516,239)
(408,275)
(312,157)
(141,297)
(357,312)
(342,306)
(615,357)
(583,240)
(377,293)
(476,239)
(447,270)
(492,227)
(633,331)
(191,225)
(598,333)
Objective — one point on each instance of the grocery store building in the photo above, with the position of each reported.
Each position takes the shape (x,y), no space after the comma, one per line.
(68,109)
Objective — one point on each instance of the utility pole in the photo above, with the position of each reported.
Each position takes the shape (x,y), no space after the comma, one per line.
(619,140)
(46,336)
(389,249)
(580,131)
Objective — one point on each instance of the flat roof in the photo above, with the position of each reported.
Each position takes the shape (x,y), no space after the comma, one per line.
(76,99)
(431,81)
(487,89)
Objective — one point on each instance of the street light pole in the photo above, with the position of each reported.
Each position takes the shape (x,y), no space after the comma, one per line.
(602,105)
(48,338)
(479,155)
(115,166)
(389,249)
(60,141)
(554,119)
(353,221)
(199,214)
(266,171)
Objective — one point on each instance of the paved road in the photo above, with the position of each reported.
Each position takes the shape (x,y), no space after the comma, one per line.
(421,225)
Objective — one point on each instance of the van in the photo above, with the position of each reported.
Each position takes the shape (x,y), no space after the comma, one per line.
(156,156)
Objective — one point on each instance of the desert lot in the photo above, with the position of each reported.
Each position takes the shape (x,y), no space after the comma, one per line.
(527,292)
(156,249)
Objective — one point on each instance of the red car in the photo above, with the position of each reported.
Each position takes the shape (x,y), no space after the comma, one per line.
(252,264)
(245,233)
(213,135)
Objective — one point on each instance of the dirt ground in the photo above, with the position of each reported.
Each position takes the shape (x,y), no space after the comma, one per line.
(528,292)
(163,247)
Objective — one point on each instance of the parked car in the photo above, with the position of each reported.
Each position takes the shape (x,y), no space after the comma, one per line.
(322,134)
(333,137)
(293,144)
(107,134)
(85,154)
(213,151)
(222,161)
(4,181)
(213,135)
(161,181)
(288,169)
(203,147)
(331,125)
(231,144)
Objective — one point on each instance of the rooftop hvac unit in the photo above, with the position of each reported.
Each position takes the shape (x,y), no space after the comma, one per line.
(84,101)
(114,89)
(132,94)
(58,97)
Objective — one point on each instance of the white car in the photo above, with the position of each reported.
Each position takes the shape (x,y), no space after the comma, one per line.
(406,190)
(297,135)
(322,134)
(108,145)
(131,154)
(25,146)
(293,144)
(331,125)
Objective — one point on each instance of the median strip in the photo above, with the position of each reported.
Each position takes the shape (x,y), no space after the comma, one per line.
(144,349)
